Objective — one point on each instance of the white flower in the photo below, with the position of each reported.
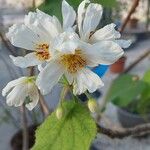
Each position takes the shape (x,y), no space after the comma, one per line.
(22,90)
(89,16)
(37,34)
(74,60)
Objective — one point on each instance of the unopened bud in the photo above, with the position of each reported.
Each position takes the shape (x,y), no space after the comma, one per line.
(92,105)
(59,113)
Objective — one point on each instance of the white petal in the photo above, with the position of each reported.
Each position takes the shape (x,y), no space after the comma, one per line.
(40,67)
(69,77)
(68,14)
(44,25)
(43,16)
(68,47)
(17,96)
(12,84)
(92,18)
(123,43)
(81,14)
(106,33)
(106,52)
(49,76)
(33,94)
(81,85)
(27,61)
(22,36)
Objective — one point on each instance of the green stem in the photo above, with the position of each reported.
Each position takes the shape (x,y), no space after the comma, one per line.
(88,95)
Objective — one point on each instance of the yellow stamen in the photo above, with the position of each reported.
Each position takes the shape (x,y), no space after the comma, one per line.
(73,62)
(42,52)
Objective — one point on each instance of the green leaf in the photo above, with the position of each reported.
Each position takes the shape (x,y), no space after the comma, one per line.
(106,3)
(146,77)
(75,131)
(124,89)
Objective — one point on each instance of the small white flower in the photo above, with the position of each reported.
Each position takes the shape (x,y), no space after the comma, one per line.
(73,61)
(22,90)
(37,34)
(89,16)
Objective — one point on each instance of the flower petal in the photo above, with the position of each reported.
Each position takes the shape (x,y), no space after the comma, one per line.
(80,85)
(66,42)
(22,36)
(106,33)
(27,61)
(47,27)
(17,96)
(54,20)
(12,84)
(33,94)
(92,18)
(123,43)
(68,47)
(81,14)
(68,14)
(105,52)
(49,76)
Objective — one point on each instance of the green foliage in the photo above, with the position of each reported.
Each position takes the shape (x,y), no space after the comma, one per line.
(127,91)
(53,7)
(106,3)
(75,131)
(146,77)
(124,89)
(144,102)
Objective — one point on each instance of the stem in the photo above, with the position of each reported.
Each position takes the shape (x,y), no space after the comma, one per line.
(64,93)
(44,107)
(88,95)
(133,8)
(24,129)
(138,130)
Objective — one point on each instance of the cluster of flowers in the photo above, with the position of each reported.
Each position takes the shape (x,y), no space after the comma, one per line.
(69,49)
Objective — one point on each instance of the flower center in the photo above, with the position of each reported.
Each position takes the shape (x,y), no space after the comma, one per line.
(73,62)
(42,52)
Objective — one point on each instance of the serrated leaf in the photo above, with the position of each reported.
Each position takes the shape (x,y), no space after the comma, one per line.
(75,131)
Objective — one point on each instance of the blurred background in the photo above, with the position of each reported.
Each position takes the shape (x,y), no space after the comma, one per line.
(135,62)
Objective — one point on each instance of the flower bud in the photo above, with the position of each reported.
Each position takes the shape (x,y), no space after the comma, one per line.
(92,105)
(59,112)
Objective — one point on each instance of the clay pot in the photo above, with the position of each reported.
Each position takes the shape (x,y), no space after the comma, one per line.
(118,66)
(16,141)
(133,23)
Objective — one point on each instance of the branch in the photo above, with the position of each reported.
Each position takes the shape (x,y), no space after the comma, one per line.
(138,130)
(140,58)
(133,8)
(24,129)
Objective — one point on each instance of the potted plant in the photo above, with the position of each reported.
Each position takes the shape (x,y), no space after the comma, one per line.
(119,65)
(131,95)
